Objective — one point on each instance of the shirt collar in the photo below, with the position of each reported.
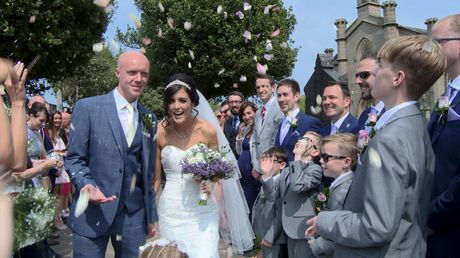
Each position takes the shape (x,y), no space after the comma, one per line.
(455,83)
(389,113)
(379,107)
(121,102)
(338,178)
(293,114)
(269,103)
(340,121)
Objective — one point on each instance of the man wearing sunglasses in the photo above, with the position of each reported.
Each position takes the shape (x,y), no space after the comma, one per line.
(444,130)
(365,81)
(336,105)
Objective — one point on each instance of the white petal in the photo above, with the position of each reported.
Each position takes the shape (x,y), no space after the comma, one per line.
(219,9)
(134,18)
(133,183)
(187,25)
(162,9)
(114,44)
(374,158)
(192,56)
(160,33)
(189,65)
(82,203)
(216,85)
(97,47)
(319,99)
(221,71)
(146,41)
(118,237)
(243,78)
(32,19)
(171,23)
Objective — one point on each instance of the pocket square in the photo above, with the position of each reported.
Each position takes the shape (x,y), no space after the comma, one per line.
(295,134)
(452,115)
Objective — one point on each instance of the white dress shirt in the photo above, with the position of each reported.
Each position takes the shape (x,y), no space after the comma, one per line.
(123,112)
(339,122)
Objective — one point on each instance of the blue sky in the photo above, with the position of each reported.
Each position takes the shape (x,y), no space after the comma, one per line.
(315,20)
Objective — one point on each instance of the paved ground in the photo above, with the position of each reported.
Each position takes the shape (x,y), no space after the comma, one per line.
(65,247)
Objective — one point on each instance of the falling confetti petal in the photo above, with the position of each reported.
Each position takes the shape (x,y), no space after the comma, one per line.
(266,67)
(275,9)
(219,9)
(101,3)
(142,50)
(106,44)
(269,46)
(32,19)
(98,47)
(255,58)
(82,203)
(114,44)
(304,141)
(118,237)
(2,89)
(133,18)
(108,8)
(269,56)
(175,60)
(155,137)
(225,15)
(270,6)
(335,27)
(243,78)
(160,33)
(146,41)
(72,127)
(171,22)
(247,34)
(187,25)
(258,35)
(246,6)
(240,14)
(189,65)
(261,69)
(216,85)
(192,56)
(315,110)
(221,71)
(283,45)
(266,10)
(428,47)
(133,183)
(276,33)
(235,85)
(162,9)
(319,99)
(348,125)
(374,158)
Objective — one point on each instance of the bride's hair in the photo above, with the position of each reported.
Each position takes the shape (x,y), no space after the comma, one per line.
(173,84)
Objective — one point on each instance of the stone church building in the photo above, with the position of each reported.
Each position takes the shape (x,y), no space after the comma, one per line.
(367,34)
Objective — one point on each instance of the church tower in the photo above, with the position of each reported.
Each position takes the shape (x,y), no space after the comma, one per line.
(390,27)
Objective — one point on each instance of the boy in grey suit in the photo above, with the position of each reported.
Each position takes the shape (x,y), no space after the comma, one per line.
(339,157)
(386,210)
(297,187)
(266,219)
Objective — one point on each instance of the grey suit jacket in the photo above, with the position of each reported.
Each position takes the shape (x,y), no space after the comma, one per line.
(95,156)
(322,247)
(386,210)
(263,137)
(298,197)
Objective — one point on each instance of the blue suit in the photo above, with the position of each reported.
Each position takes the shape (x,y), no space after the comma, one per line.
(444,216)
(306,123)
(99,155)
(349,125)
(363,118)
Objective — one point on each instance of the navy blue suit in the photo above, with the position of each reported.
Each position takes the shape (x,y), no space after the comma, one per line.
(444,216)
(306,123)
(363,118)
(231,135)
(349,125)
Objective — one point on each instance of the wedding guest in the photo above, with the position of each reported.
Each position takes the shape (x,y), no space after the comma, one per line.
(220,118)
(444,216)
(224,109)
(295,123)
(297,187)
(64,131)
(267,219)
(336,105)
(339,156)
(266,121)
(112,156)
(243,142)
(365,81)
(386,210)
(235,98)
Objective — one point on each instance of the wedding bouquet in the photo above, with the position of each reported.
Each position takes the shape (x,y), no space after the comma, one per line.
(34,210)
(205,164)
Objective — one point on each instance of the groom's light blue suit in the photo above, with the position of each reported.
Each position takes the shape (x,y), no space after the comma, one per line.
(99,155)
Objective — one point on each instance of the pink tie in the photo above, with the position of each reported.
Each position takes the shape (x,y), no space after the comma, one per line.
(263,115)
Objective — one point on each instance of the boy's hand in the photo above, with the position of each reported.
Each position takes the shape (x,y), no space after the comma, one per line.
(266,165)
(256,174)
(310,242)
(266,243)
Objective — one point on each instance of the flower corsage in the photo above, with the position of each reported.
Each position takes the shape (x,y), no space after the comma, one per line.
(443,107)
(148,121)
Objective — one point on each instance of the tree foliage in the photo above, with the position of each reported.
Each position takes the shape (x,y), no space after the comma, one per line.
(94,78)
(216,41)
(62,32)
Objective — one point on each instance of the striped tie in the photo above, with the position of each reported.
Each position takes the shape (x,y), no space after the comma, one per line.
(263,115)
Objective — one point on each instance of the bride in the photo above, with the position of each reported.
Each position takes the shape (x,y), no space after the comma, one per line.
(195,228)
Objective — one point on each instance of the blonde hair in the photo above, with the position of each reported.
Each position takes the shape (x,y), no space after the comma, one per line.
(318,141)
(347,145)
(422,60)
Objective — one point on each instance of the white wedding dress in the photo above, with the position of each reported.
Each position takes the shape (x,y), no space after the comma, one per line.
(194,227)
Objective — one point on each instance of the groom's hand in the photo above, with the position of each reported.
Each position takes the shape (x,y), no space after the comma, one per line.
(152,231)
(96,196)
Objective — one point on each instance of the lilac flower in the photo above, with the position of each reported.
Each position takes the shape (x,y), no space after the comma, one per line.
(322,197)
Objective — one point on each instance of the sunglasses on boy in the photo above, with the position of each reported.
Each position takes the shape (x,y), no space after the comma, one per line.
(306,138)
(363,75)
(326,157)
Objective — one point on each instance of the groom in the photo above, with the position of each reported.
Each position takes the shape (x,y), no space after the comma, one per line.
(112,155)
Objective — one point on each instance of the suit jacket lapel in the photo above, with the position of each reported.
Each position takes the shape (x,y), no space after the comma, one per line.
(435,127)
(114,122)
(342,180)
(346,122)
(145,139)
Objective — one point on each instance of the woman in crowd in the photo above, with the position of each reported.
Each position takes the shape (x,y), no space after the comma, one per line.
(62,183)
(243,148)
(220,118)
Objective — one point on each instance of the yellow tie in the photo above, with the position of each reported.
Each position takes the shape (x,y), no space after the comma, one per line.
(130,130)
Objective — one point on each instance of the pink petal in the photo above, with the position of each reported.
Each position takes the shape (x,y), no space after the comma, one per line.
(246,6)
(221,71)
(108,8)
(275,9)
(143,50)
(240,14)
(258,35)
(283,45)
(247,34)
(32,19)
(160,33)
(269,56)
(235,85)
(276,33)
(170,23)
(146,41)
(261,69)
(101,3)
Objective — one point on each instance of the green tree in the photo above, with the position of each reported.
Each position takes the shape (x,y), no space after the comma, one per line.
(94,78)
(302,103)
(62,32)
(216,41)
